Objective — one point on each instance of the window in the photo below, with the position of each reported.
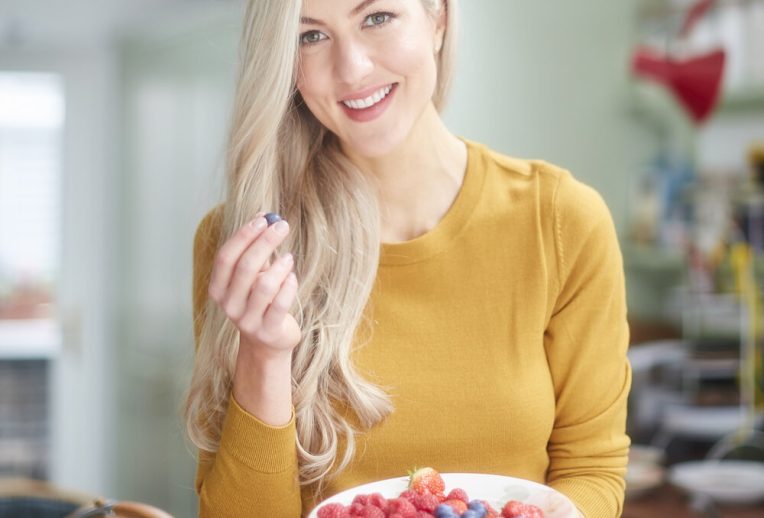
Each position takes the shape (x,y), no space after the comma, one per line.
(31,124)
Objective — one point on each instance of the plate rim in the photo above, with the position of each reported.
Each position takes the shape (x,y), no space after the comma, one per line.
(448,475)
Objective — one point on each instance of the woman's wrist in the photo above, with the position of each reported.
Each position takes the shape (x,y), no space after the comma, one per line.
(262,385)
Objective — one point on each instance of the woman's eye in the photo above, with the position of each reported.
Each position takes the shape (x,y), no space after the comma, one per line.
(310,37)
(377,19)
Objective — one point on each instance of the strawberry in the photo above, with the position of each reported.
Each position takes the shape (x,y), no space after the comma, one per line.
(333,511)
(426,480)
(458,494)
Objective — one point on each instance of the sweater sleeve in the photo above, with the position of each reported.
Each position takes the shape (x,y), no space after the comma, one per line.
(254,472)
(586,341)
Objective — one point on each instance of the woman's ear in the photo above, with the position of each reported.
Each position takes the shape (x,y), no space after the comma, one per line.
(441,20)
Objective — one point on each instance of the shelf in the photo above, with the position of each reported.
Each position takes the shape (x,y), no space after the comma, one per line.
(638,256)
(744,99)
(29,339)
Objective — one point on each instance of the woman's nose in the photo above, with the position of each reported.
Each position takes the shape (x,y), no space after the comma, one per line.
(352,62)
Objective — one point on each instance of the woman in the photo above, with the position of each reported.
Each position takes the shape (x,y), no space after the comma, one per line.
(434,302)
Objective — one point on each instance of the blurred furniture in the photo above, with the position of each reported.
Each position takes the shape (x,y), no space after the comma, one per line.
(668,501)
(119,510)
(36,499)
(26,498)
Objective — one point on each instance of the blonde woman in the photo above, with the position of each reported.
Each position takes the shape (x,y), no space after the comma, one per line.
(426,300)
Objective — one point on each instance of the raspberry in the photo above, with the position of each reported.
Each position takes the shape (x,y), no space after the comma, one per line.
(370,511)
(362,499)
(425,502)
(515,509)
(356,508)
(458,494)
(333,511)
(457,505)
(490,511)
(409,494)
(402,507)
(423,514)
(377,500)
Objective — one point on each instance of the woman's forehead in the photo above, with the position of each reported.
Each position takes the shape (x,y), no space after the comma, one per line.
(346,7)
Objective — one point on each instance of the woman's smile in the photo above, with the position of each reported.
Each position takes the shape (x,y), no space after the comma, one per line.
(365,109)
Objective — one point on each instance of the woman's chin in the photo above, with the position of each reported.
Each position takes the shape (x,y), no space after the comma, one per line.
(370,147)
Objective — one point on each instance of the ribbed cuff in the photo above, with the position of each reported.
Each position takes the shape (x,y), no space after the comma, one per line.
(261,447)
(587,498)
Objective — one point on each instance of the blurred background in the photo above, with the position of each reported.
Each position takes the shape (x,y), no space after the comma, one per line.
(113,118)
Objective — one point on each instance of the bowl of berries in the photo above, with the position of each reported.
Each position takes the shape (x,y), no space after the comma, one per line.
(426,493)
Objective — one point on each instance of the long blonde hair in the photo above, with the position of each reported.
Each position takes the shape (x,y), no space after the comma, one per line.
(281,158)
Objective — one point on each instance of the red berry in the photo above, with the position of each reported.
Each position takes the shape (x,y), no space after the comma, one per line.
(377,500)
(423,514)
(408,495)
(458,494)
(333,511)
(356,508)
(369,511)
(401,506)
(457,505)
(426,480)
(489,510)
(425,502)
(362,499)
(515,509)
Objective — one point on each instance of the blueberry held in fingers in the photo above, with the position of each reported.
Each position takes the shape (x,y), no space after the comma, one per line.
(272,218)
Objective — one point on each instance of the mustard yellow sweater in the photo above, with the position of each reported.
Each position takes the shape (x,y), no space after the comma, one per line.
(502,335)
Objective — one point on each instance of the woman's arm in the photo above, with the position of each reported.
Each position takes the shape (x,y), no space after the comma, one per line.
(254,473)
(586,341)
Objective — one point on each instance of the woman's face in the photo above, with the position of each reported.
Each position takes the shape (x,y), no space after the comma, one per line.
(367,68)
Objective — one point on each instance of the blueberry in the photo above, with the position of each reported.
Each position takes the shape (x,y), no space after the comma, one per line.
(478,507)
(272,218)
(445,511)
(469,513)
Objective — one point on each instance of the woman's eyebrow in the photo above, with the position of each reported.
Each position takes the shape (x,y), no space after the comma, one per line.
(357,9)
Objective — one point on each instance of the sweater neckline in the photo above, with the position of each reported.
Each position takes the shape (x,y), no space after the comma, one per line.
(438,238)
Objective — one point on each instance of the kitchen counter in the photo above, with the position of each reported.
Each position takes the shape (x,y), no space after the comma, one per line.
(670,502)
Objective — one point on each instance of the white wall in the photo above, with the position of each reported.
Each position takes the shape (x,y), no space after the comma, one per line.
(549,80)
(83,373)
(178,88)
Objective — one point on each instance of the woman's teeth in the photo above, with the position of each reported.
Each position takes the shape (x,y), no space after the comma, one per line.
(360,104)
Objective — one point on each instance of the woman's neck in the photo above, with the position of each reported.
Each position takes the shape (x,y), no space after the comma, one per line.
(418,181)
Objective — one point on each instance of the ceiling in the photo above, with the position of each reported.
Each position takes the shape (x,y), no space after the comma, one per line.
(78,23)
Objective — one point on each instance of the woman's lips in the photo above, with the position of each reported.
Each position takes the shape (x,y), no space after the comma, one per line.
(359,114)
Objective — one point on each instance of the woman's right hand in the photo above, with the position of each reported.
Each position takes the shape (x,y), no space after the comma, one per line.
(256,297)
(254,294)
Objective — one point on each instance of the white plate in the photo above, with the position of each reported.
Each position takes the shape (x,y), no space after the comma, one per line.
(495,489)
(726,481)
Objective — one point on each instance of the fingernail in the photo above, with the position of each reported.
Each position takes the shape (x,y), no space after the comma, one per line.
(282,227)
(286,260)
(258,223)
